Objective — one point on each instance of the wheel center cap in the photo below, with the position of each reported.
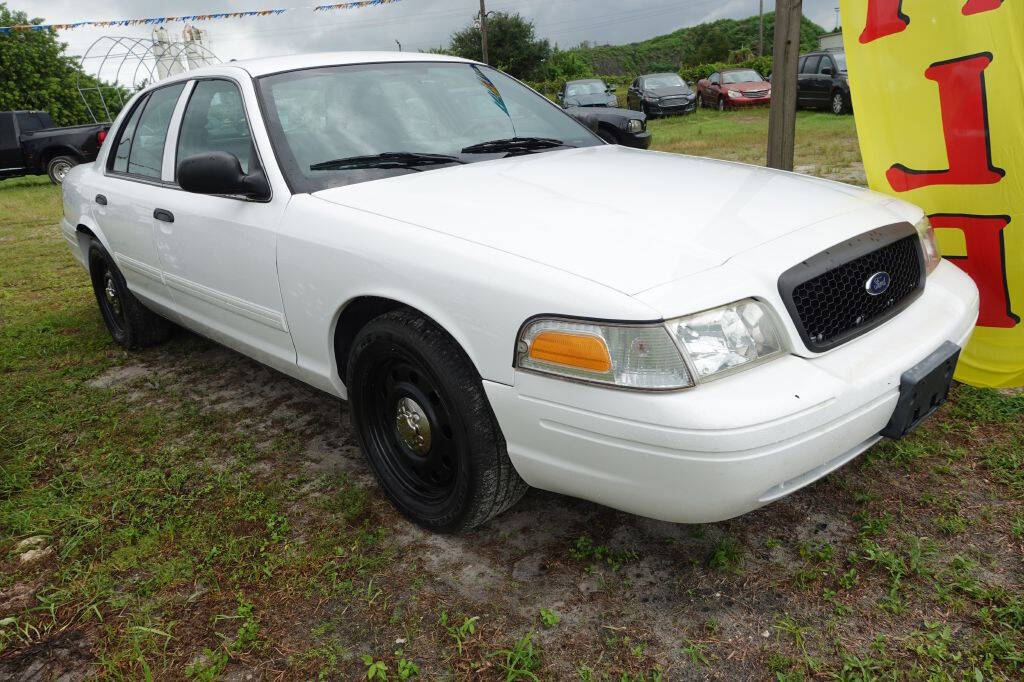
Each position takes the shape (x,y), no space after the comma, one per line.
(412,426)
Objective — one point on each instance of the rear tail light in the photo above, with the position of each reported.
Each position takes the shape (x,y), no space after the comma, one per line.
(101,135)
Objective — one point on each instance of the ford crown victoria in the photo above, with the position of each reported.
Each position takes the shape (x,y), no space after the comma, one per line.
(506,301)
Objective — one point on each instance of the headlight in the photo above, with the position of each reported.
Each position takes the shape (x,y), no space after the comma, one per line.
(627,356)
(928,245)
(654,357)
(769,92)
(735,93)
(725,338)
(634,125)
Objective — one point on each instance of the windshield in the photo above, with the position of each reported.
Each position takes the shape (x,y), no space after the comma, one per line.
(585,88)
(744,76)
(664,80)
(321,115)
(840,58)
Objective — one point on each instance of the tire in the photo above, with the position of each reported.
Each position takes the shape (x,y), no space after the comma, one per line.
(405,373)
(59,166)
(607,136)
(130,323)
(643,109)
(838,103)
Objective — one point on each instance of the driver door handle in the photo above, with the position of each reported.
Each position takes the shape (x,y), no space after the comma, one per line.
(164,215)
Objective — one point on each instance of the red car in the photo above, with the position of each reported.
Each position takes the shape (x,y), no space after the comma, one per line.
(732,88)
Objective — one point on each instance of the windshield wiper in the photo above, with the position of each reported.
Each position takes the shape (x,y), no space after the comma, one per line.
(514,144)
(386,160)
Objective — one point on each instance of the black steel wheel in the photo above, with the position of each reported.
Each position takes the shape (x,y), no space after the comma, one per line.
(426,427)
(130,323)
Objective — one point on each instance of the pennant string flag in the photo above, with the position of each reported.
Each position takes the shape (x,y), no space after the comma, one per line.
(212,16)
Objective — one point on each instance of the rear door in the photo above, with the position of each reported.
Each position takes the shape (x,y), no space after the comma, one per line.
(10,148)
(31,121)
(132,183)
(219,253)
(806,86)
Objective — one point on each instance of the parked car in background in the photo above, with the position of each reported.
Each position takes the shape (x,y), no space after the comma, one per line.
(661,94)
(30,144)
(733,88)
(503,299)
(591,92)
(821,82)
(615,125)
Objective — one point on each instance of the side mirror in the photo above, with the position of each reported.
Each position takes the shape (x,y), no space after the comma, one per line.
(826,71)
(221,173)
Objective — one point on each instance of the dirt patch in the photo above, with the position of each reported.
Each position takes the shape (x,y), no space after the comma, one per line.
(119,375)
(65,656)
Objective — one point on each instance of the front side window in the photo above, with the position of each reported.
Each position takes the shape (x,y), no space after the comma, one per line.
(840,59)
(119,159)
(323,118)
(715,78)
(826,63)
(147,146)
(811,65)
(215,121)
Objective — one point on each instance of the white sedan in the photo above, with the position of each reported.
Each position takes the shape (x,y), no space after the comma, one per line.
(505,300)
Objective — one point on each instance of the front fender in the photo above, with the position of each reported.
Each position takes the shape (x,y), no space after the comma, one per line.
(329,255)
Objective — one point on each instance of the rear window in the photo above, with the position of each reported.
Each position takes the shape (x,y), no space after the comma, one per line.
(31,121)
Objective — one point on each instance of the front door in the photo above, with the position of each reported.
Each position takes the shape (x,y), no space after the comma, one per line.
(219,253)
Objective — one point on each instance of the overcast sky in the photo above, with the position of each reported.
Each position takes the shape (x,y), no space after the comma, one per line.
(418,24)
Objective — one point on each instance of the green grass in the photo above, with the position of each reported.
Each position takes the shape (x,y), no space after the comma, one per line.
(826,144)
(183,541)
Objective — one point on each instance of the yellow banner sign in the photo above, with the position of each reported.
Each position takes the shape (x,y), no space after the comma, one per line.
(938,91)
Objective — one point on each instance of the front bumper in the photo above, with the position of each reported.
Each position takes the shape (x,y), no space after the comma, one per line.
(656,109)
(732,445)
(738,102)
(641,140)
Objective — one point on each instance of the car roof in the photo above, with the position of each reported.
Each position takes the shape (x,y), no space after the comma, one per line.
(264,66)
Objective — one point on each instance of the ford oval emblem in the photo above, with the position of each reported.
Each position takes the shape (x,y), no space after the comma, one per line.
(878,283)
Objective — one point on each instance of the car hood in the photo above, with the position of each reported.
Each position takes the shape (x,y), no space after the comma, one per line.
(622,217)
(599,99)
(749,85)
(674,91)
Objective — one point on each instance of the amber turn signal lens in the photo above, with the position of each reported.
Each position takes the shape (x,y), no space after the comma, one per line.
(582,351)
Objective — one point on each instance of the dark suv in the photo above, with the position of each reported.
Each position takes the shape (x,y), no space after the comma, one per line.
(821,82)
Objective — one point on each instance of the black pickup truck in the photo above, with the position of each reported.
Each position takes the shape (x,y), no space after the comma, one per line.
(31,145)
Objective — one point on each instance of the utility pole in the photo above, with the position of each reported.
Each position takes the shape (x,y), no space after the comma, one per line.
(782,115)
(760,28)
(483,31)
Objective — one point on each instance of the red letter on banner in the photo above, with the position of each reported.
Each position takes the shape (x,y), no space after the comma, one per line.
(979,6)
(985,262)
(885,17)
(964,125)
